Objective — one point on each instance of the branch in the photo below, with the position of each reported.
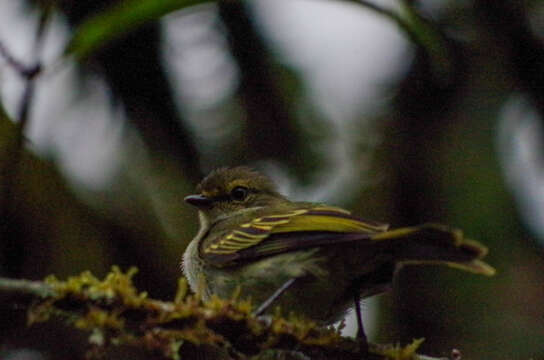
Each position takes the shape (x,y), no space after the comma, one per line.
(14,154)
(114,313)
(26,287)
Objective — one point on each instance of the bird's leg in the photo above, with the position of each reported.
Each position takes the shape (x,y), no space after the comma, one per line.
(268,302)
(361,336)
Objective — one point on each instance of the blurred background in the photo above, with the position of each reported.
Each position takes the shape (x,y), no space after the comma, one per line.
(402,111)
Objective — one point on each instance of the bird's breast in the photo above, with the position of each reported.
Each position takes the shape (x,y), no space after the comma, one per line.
(193,269)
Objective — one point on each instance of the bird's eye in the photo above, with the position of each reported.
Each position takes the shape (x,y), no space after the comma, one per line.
(239,193)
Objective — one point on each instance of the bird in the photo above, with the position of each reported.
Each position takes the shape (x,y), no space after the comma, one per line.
(312,259)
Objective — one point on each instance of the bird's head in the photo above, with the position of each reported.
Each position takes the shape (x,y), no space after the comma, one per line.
(228,191)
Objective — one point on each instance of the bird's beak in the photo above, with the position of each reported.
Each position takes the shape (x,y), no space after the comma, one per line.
(199,201)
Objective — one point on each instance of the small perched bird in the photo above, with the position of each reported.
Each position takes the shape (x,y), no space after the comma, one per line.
(309,258)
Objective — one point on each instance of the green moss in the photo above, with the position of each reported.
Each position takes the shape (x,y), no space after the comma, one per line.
(116,286)
(397,352)
(115,313)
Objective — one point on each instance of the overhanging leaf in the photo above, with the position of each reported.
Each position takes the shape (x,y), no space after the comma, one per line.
(419,31)
(119,20)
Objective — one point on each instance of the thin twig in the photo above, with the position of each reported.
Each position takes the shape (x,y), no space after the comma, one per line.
(10,59)
(14,154)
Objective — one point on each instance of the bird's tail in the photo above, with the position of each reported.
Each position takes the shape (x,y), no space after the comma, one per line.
(435,244)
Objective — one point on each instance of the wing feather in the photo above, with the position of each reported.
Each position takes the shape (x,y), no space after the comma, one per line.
(299,228)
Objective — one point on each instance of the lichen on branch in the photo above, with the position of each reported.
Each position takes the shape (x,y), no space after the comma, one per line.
(115,313)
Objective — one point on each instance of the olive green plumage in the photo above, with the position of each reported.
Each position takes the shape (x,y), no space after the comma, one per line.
(254,238)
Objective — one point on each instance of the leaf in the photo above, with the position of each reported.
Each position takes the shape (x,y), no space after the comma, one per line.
(428,36)
(118,20)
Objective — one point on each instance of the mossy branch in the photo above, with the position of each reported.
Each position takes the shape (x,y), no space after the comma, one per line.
(115,313)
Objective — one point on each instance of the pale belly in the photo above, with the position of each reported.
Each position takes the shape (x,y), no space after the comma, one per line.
(319,293)
(326,279)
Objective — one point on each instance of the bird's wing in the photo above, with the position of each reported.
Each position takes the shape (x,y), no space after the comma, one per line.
(290,230)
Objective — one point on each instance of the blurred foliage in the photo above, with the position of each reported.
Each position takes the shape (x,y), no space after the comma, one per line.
(269,102)
(433,149)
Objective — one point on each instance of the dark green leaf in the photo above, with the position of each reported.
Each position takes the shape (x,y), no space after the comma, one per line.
(118,20)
